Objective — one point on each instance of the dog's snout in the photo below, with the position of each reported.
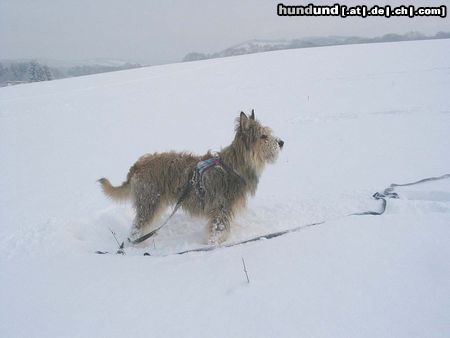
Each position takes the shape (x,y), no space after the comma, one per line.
(281,143)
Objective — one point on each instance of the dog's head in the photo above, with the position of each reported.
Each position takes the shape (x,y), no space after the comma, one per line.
(257,139)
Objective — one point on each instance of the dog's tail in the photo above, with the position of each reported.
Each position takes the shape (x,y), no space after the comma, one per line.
(120,193)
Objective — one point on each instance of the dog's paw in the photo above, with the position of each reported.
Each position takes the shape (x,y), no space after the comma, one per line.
(217,237)
(213,240)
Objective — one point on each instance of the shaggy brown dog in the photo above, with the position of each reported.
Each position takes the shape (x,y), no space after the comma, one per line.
(156,181)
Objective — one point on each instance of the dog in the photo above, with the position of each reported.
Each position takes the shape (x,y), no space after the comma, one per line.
(158,180)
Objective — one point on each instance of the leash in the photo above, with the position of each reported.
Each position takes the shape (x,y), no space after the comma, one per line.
(387,193)
(195,181)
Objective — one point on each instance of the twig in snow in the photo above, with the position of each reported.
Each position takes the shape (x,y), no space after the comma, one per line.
(121,249)
(245,270)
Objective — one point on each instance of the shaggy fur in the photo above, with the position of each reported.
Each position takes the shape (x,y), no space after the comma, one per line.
(156,181)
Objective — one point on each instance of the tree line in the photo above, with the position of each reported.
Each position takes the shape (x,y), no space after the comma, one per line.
(16,72)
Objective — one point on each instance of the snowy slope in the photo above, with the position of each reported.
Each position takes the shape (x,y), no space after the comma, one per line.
(354,119)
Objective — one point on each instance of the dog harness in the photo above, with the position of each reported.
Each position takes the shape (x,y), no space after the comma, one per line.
(200,169)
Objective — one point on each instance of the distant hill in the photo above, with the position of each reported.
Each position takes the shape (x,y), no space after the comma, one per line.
(258,46)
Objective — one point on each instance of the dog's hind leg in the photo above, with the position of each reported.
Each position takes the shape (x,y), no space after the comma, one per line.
(148,206)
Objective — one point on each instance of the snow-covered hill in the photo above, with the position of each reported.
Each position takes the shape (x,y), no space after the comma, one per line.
(354,119)
(262,45)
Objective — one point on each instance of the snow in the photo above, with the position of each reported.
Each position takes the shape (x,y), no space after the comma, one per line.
(354,119)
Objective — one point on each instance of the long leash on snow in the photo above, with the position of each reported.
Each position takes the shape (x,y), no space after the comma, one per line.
(389,193)
(250,240)
(386,194)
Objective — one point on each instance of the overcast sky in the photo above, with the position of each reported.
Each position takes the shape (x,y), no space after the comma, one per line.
(160,31)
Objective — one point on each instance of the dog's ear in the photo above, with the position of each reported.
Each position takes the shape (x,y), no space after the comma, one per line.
(252,117)
(244,121)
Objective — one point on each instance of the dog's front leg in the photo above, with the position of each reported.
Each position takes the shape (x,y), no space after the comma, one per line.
(219,225)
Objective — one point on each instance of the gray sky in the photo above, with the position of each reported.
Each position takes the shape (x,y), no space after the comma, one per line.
(159,31)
